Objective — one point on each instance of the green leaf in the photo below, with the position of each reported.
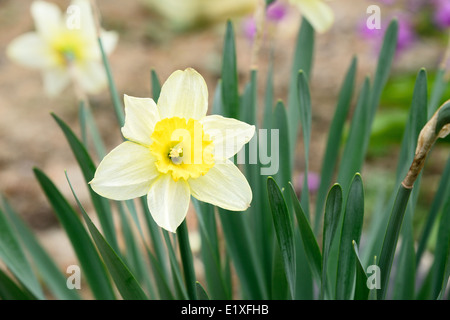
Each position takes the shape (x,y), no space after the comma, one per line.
(351,231)
(210,253)
(88,168)
(201,293)
(93,267)
(46,266)
(439,86)
(305,120)
(385,59)
(334,139)
(279,285)
(123,278)
(443,117)
(332,216)
(187,260)
(12,255)
(180,287)
(156,85)
(361,289)
(281,159)
(441,255)
(303,60)
(229,81)
(10,290)
(283,230)
(309,240)
(242,252)
(442,193)
(391,238)
(118,108)
(353,157)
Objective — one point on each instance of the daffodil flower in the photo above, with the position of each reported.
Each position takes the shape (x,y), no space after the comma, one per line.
(174,150)
(64,47)
(317,12)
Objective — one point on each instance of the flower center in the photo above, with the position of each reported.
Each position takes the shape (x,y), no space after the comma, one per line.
(181,148)
(68,46)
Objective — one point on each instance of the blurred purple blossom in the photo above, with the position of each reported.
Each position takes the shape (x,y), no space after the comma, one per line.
(406,33)
(276,11)
(442,13)
(313,182)
(249,28)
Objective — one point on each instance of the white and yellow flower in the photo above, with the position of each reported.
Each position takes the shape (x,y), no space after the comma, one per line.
(174,150)
(317,12)
(63,43)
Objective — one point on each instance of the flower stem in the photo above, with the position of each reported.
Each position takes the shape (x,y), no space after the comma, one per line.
(187,259)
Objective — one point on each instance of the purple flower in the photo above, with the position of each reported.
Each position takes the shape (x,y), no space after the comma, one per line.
(313,182)
(406,34)
(276,11)
(442,13)
(249,28)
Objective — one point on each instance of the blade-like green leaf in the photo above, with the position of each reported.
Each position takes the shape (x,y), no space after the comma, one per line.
(179,286)
(351,231)
(10,290)
(441,254)
(442,193)
(304,104)
(280,160)
(13,256)
(210,253)
(332,216)
(283,230)
(46,266)
(439,86)
(391,238)
(156,85)
(353,157)
(361,289)
(242,253)
(87,166)
(91,264)
(443,116)
(229,81)
(201,293)
(309,240)
(303,60)
(187,260)
(385,59)
(118,108)
(334,140)
(123,278)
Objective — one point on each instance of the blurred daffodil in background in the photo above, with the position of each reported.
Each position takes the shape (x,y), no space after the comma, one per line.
(64,47)
(174,151)
(317,12)
(189,13)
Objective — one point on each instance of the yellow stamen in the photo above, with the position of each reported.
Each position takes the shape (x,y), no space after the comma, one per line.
(181,148)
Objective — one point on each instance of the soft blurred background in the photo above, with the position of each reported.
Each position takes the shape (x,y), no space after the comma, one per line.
(154,36)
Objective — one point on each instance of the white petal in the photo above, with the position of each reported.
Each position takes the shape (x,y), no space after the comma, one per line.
(168,202)
(31,51)
(55,80)
(141,115)
(223,185)
(318,13)
(229,135)
(47,18)
(91,76)
(79,16)
(127,172)
(109,41)
(184,95)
